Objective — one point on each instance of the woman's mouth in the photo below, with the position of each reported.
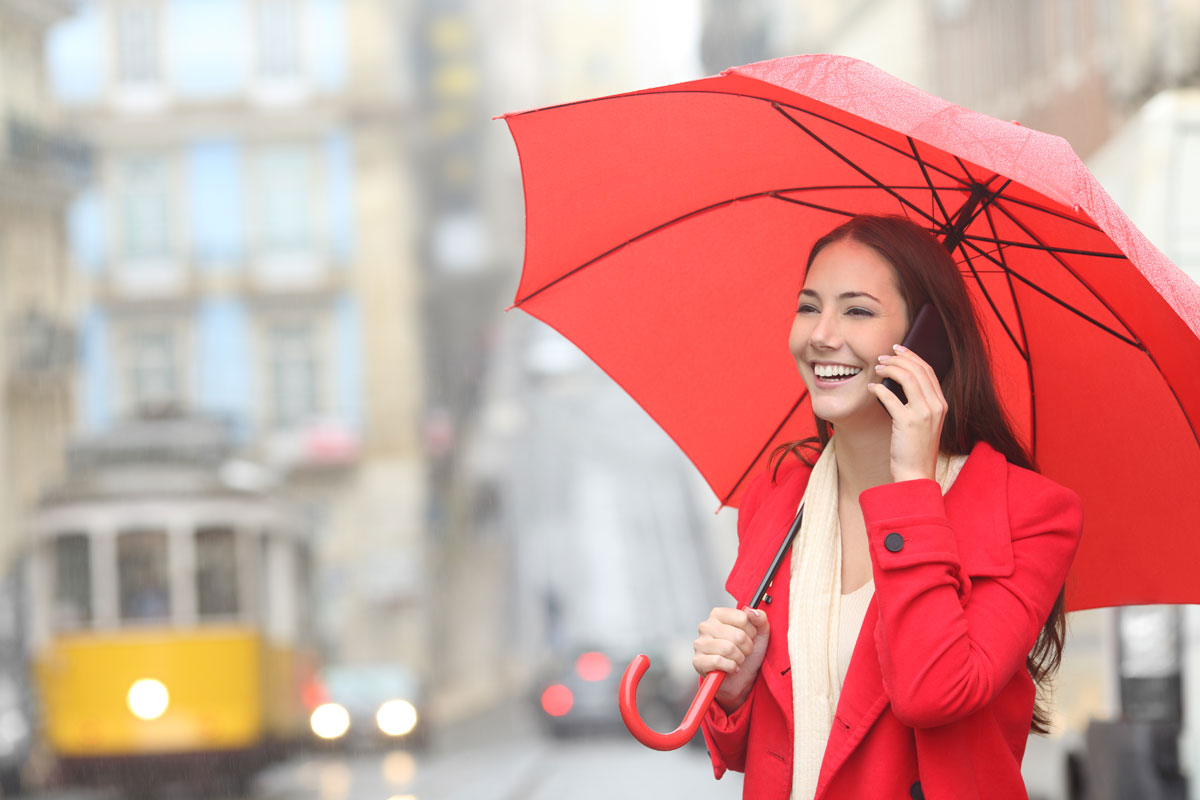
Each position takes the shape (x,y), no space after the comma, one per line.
(834,373)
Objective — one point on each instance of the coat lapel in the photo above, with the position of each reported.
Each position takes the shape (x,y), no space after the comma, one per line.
(977,509)
(767,530)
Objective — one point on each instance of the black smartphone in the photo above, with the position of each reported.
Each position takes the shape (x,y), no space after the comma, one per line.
(927,338)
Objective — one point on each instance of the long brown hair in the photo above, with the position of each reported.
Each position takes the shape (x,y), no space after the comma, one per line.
(926,273)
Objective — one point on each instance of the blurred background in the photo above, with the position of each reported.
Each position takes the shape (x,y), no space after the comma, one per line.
(292,508)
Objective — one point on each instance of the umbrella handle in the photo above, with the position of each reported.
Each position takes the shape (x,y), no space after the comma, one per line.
(627,700)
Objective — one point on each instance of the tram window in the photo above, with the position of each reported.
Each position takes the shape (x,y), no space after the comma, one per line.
(142,575)
(216,572)
(72,581)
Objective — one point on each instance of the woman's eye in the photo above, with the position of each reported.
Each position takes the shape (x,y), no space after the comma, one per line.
(859,312)
(806,308)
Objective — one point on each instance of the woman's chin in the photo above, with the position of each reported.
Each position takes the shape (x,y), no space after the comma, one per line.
(863,412)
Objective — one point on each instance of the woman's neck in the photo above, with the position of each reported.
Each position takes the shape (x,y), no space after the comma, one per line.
(864,457)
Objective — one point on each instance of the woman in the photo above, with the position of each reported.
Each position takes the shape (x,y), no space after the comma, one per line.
(904,635)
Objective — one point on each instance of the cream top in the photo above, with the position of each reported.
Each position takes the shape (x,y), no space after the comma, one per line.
(850,620)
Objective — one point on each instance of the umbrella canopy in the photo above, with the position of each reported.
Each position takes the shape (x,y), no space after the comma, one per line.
(667,231)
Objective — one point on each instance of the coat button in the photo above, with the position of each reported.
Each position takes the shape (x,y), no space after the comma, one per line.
(767,599)
(894,542)
(915,792)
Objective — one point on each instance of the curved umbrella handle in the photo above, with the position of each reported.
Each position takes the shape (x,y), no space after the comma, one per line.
(627,700)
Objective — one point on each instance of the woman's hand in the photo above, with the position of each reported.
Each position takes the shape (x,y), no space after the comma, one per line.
(734,641)
(917,426)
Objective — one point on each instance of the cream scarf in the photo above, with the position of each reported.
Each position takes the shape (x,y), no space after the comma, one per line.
(815,590)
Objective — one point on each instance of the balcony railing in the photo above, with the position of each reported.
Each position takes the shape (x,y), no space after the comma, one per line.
(33,145)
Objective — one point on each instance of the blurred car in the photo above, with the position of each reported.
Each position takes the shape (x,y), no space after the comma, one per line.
(578,693)
(365,705)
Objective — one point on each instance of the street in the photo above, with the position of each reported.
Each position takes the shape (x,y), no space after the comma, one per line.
(505,756)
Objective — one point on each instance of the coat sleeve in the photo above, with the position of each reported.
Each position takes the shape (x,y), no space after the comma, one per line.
(947,645)
(726,733)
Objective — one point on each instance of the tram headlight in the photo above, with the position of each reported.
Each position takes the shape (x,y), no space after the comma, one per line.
(396,717)
(147,699)
(329,721)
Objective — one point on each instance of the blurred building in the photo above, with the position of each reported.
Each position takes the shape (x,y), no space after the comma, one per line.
(41,165)
(247,250)
(1075,68)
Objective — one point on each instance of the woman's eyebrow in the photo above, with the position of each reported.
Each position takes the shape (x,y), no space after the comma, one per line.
(842,296)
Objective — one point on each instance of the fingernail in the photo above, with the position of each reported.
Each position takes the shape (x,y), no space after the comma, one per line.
(736,670)
(899,348)
(878,367)
(885,358)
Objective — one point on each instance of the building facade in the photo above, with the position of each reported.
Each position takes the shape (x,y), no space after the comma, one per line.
(40,168)
(245,251)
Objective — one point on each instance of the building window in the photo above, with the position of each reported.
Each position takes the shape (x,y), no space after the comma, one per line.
(137,44)
(278,40)
(145,208)
(285,199)
(72,581)
(216,572)
(152,355)
(294,367)
(145,591)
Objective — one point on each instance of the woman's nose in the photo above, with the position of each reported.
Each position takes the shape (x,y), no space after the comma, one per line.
(824,333)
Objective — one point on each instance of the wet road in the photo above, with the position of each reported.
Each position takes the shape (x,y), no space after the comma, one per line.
(505,756)
(531,770)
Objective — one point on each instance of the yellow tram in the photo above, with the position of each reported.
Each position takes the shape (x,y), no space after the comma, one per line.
(167,608)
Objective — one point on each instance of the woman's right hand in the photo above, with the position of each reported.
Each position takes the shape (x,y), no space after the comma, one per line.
(734,641)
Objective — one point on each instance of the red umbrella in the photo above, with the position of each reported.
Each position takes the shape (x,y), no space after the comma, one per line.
(666,231)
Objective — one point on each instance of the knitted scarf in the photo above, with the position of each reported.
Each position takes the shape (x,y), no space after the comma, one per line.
(816,586)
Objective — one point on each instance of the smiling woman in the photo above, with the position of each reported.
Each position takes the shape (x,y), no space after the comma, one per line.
(929,554)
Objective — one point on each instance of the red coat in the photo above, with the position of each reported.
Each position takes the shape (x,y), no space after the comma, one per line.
(937,701)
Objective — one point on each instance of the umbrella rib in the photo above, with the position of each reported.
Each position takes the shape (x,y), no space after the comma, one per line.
(899,198)
(1003,265)
(987,296)
(1047,248)
(1012,293)
(1091,226)
(795,407)
(937,198)
(1002,257)
(816,206)
(633,239)
(898,151)
(775,193)
(1054,253)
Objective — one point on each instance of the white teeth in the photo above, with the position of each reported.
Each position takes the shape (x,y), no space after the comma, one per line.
(835,370)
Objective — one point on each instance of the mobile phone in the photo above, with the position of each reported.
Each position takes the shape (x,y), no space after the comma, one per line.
(927,338)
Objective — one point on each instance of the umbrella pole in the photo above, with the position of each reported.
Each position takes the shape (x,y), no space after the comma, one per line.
(709,684)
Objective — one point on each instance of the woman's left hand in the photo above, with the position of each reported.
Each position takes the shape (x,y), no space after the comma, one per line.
(917,426)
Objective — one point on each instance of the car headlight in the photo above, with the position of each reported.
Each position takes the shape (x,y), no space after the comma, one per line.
(396,717)
(329,721)
(14,729)
(147,699)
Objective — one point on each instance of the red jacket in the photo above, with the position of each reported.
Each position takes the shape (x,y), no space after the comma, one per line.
(937,700)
